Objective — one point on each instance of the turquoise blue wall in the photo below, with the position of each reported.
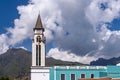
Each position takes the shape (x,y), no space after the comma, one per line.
(56,73)
(78,73)
(113,71)
(109,71)
(52,73)
(103,74)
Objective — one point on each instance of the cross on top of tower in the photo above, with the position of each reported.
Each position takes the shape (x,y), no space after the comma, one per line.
(39,25)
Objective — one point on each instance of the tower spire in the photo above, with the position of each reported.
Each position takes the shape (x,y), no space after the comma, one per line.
(39,25)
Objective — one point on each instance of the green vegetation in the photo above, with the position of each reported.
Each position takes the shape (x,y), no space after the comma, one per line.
(15,63)
(4,78)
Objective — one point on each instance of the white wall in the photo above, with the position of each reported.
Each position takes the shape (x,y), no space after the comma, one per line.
(40,73)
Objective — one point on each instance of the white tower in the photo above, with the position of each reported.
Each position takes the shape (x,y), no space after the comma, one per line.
(38,70)
(38,44)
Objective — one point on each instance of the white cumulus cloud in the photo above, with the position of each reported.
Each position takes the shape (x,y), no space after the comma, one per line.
(67,56)
(3,43)
(75,28)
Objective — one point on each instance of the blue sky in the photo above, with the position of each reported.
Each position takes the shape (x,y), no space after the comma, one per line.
(9,12)
(76,34)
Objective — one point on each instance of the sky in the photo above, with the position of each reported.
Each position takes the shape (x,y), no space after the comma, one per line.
(76,30)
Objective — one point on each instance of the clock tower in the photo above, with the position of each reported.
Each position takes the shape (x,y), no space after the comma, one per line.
(38,44)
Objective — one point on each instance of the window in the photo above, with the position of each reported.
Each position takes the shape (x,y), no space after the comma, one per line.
(62,77)
(72,76)
(92,75)
(38,55)
(38,39)
(82,75)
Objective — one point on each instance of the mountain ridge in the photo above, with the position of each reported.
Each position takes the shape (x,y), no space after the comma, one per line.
(105,62)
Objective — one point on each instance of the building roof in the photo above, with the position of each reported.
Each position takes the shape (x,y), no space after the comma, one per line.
(39,25)
(107,78)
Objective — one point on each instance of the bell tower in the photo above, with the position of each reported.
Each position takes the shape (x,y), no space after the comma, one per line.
(38,44)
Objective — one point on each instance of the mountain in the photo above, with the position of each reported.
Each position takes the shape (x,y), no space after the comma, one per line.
(105,62)
(17,62)
(54,62)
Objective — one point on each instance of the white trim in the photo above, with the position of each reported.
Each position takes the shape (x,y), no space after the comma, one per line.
(82,67)
(55,74)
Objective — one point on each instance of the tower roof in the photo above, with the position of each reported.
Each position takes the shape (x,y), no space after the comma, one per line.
(39,25)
